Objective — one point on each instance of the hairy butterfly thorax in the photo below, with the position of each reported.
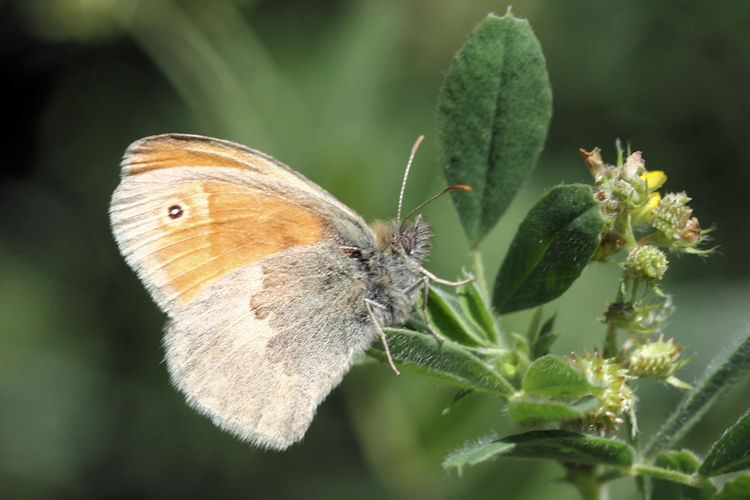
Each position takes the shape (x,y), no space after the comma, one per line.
(395,266)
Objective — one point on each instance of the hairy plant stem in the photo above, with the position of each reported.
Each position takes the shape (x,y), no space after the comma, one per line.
(627,231)
(586,482)
(666,474)
(478,265)
(610,342)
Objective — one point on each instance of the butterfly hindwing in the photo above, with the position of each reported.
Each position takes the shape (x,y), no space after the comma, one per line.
(259,359)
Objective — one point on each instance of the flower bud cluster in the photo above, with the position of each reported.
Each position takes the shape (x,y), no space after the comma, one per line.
(672,218)
(631,202)
(646,223)
(622,189)
(616,398)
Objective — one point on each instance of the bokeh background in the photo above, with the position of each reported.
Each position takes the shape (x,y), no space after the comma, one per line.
(339,90)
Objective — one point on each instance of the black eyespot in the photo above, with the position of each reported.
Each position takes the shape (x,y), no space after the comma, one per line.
(174,212)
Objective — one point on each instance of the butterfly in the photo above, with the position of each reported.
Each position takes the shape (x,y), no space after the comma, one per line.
(271,285)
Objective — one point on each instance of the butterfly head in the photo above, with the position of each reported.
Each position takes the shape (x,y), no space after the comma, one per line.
(410,240)
(415,239)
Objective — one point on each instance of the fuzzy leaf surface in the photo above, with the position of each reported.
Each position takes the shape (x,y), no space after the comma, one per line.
(493,116)
(449,318)
(736,489)
(680,461)
(476,308)
(552,444)
(445,361)
(524,411)
(552,246)
(731,452)
(552,376)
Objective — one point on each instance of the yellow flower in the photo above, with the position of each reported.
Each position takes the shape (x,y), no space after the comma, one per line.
(643,213)
(654,180)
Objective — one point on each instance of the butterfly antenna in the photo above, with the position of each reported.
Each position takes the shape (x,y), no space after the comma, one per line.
(406,176)
(431,198)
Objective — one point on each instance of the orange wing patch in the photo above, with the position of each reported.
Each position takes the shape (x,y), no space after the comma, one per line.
(210,228)
(170,150)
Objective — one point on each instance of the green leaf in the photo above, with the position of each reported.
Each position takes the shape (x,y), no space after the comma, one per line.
(445,361)
(552,376)
(476,309)
(731,452)
(524,411)
(571,447)
(553,444)
(736,489)
(680,461)
(475,453)
(457,397)
(493,117)
(547,326)
(544,340)
(521,345)
(446,316)
(696,403)
(550,249)
(684,462)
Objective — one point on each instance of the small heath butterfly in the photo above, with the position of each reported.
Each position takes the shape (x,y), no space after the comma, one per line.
(271,284)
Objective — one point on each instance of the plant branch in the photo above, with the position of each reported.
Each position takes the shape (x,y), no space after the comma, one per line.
(666,474)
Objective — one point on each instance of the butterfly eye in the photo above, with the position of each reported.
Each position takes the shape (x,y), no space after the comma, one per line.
(174,212)
(407,241)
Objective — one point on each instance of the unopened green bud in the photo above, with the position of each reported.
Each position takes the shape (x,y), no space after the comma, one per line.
(646,262)
(655,359)
(671,217)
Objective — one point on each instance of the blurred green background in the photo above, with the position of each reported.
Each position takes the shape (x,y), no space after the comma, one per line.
(339,90)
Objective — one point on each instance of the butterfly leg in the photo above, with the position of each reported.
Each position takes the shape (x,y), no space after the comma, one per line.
(434,278)
(369,305)
(424,281)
